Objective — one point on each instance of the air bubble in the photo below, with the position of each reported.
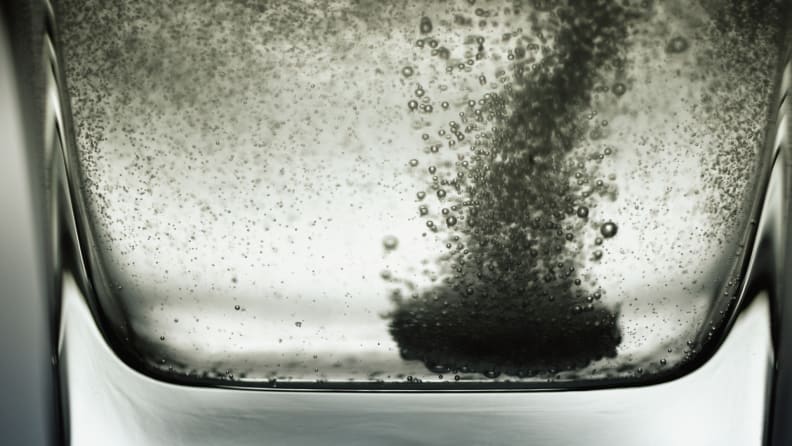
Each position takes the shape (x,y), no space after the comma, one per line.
(609,229)
(677,45)
(492,374)
(390,242)
(426,25)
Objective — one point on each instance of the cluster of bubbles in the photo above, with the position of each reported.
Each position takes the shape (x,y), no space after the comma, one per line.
(516,298)
(176,156)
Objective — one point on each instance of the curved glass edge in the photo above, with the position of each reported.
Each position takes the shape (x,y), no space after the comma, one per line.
(30,273)
(93,280)
(779,431)
(112,403)
(754,272)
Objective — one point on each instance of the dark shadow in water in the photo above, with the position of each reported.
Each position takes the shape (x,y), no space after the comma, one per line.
(517,302)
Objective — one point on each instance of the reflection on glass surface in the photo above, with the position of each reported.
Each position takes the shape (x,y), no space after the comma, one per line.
(110,404)
(418,190)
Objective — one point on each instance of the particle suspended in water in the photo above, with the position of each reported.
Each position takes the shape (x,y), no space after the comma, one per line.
(451,221)
(413,162)
(423,210)
(407,71)
(426,25)
(390,242)
(677,45)
(609,229)
(619,89)
(492,374)
(236,307)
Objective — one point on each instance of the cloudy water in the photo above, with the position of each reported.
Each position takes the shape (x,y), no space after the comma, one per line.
(418,191)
